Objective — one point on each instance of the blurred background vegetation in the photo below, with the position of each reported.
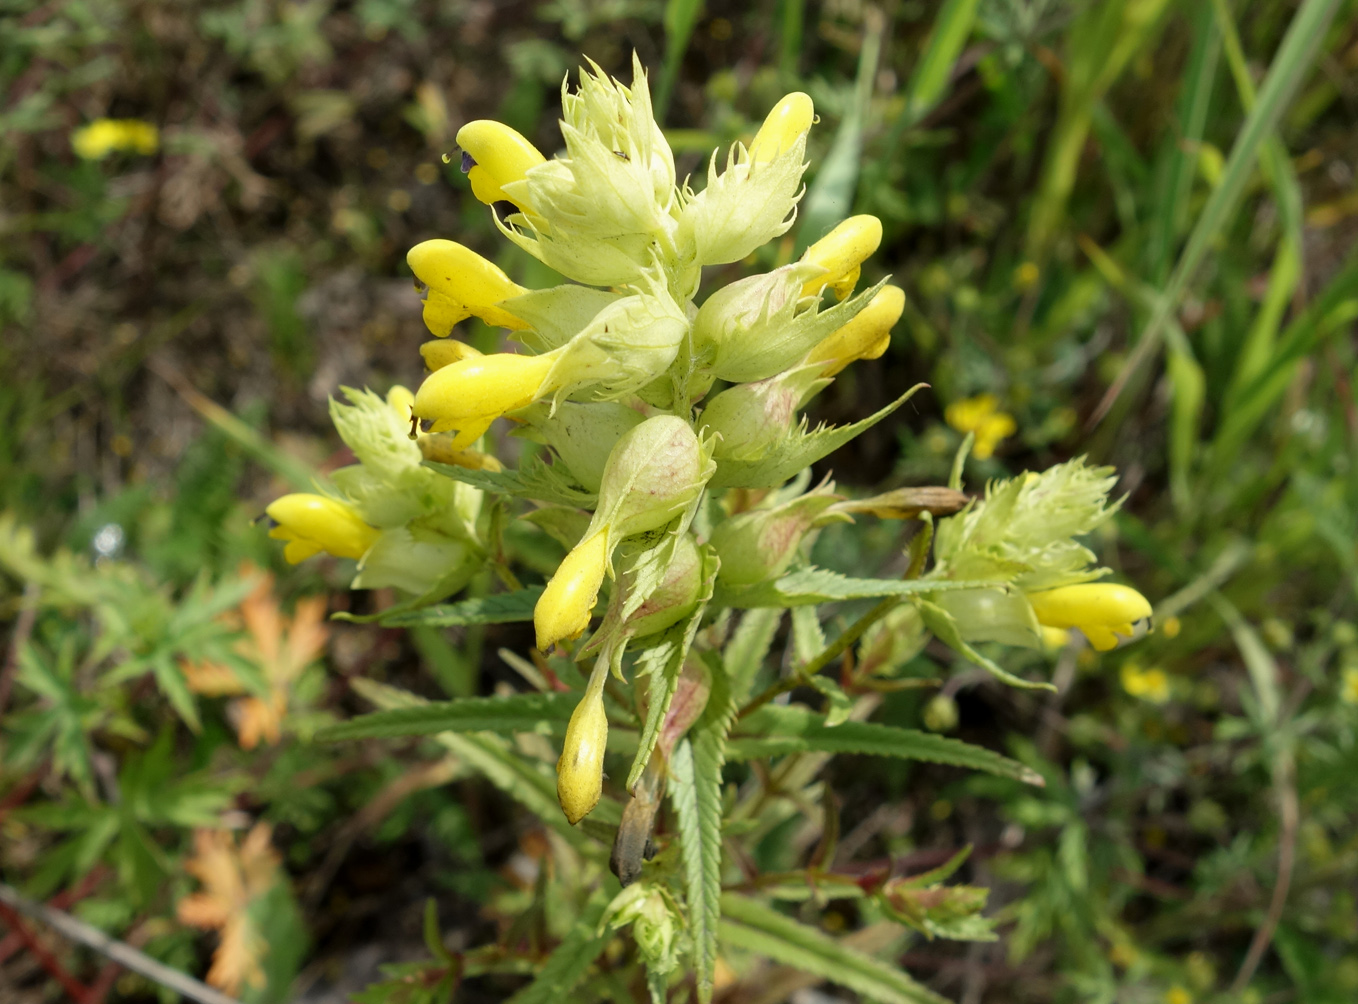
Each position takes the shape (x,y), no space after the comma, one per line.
(1131,222)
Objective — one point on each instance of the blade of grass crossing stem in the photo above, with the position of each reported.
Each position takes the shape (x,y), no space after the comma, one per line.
(571,959)
(1289,68)
(680,17)
(1181,151)
(830,197)
(933,72)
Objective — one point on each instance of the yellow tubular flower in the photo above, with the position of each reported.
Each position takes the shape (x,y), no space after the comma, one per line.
(105,136)
(445,352)
(1102,610)
(438,447)
(470,394)
(313,523)
(866,336)
(580,770)
(841,252)
(499,155)
(981,415)
(458,283)
(563,610)
(789,120)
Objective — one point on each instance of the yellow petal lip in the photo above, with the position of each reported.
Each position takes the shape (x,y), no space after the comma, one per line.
(459,283)
(866,336)
(445,352)
(564,608)
(841,252)
(789,120)
(481,388)
(1102,610)
(316,523)
(500,154)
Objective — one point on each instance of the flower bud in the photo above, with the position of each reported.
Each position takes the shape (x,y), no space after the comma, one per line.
(841,252)
(1101,610)
(564,608)
(655,925)
(749,419)
(865,337)
(498,156)
(314,523)
(457,283)
(654,472)
(784,126)
(940,714)
(583,435)
(675,597)
(580,770)
(759,545)
(470,394)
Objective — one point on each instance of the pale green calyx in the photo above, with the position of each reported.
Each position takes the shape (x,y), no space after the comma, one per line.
(760,545)
(582,434)
(655,472)
(749,419)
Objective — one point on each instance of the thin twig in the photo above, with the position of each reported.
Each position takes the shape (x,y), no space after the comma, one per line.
(120,952)
(1289,812)
(46,959)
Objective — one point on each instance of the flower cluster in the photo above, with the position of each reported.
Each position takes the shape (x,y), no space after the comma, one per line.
(678,473)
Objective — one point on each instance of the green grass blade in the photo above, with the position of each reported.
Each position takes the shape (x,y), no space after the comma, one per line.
(501,608)
(680,17)
(514,713)
(932,73)
(791,25)
(749,646)
(571,959)
(1289,68)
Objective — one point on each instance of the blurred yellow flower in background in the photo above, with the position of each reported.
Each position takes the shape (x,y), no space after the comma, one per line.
(981,415)
(1151,684)
(105,136)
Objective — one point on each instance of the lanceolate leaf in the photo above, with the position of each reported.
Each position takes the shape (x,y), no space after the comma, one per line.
(536,480)
(571,959)
(749,924)
(748,647)
(776,730)
(818,585)
(501,608)
(515,713)
(797,451)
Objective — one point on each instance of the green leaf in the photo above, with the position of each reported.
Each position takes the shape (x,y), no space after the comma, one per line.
(695,790)
(777,730)
(838,705)
(513,713)
(536,480)
(799,450)
(808,640)
(570,960)
(819,585)
(933,72)
(500,608)
(945,629)
(749,646)
(751,925)
(680,17)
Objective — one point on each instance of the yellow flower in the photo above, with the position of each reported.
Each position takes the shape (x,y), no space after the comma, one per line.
(438,446)
(458,283)
(789,120)
(1151,684)
(841,253)
(1178,995)
(1348,690)
(982,416)
(445,352)
(865,337)
(564,608)
(580,770)
(498,155)
(1102,610)
(470,394)
(313,523)
(105,136)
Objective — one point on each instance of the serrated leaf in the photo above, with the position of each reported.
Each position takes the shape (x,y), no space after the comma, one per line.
(776,730)
(513,713)
(695,789)
(945,629)
(748,647)
(819,585)
(838,705)
(500,608)
(808,640)
(749,924)
(536,480)
(797,452)
(571,959)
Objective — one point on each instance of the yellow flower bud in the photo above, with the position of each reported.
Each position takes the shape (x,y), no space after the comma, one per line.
(564,608)
(1101,610)
(314,523)
(105,136)
(471,393)
(499,155)
(841,252)
(580,771)
(445,352)
(458,283)
(865,337)
(783,126)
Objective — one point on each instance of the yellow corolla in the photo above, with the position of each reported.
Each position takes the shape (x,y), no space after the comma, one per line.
(783,126)
(470,394)
(498,155)
(841,253)
(1103,611)
(981,414)
(866,336)
(458,283)
(313,523)
(580,770)
(564,608)
(105,136)
(445,352)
